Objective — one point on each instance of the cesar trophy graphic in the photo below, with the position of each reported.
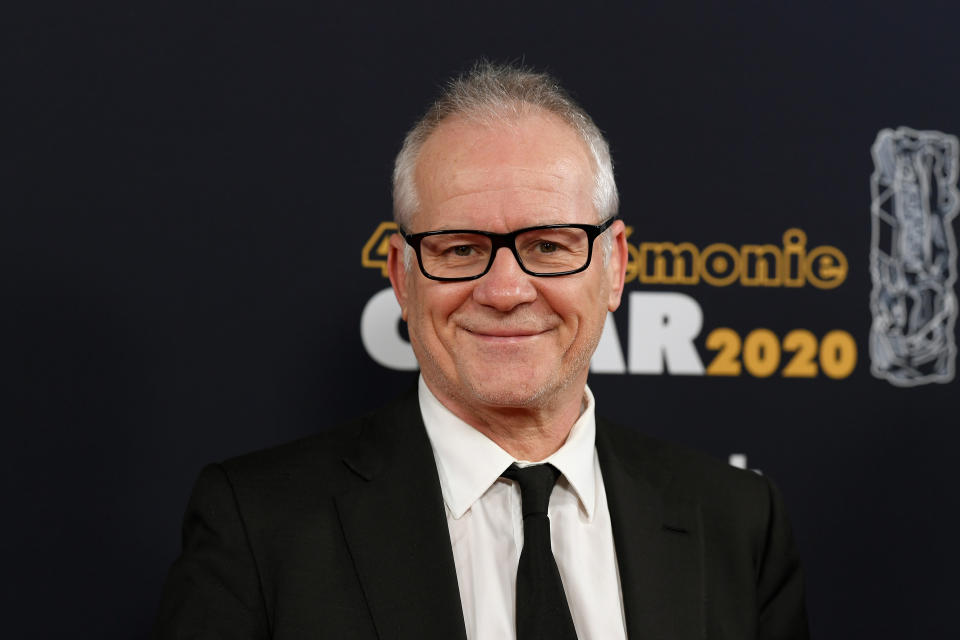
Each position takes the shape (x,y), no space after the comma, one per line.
(913,256)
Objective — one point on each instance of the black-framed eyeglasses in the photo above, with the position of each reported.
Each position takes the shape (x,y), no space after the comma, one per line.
(464,254)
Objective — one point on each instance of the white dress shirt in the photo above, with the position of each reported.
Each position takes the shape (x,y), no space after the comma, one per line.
(486,526)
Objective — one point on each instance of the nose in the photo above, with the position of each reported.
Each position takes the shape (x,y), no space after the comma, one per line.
(505,286)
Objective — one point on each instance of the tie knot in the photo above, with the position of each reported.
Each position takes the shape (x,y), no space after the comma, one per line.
(536,483)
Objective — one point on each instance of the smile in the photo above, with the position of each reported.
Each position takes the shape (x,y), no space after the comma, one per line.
(504,335)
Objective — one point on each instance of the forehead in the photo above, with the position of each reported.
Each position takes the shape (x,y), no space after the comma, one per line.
(533,169)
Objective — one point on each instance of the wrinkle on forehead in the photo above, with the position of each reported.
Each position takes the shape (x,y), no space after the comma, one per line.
(552,209)
(512,175)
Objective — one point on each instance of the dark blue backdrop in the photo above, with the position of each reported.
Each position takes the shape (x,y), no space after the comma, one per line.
(188,192)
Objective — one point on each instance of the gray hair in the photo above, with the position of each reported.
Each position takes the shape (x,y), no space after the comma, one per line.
(491,93)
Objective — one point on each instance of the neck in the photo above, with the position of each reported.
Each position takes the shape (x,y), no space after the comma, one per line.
(526,433)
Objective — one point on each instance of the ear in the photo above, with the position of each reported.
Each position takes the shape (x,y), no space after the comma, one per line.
(398,272)
(617,268)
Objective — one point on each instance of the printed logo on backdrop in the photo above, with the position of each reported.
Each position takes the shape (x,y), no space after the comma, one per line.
(913,257)
(662,326)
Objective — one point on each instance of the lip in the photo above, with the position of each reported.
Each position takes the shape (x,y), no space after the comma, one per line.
(504,335)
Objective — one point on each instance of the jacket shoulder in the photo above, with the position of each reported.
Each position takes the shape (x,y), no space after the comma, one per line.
(688,474)
(325,460)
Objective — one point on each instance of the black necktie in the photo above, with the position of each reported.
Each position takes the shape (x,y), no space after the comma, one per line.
(542,611)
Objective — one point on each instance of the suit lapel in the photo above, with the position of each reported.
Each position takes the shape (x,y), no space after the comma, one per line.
(658,539)
(396,530)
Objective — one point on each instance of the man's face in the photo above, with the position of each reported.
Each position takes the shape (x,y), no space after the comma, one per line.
(507,339)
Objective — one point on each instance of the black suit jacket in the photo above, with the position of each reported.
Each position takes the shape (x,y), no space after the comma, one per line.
(343,535)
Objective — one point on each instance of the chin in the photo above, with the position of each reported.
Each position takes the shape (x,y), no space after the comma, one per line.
(510,390)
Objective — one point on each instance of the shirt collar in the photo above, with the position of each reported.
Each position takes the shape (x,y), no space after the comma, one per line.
(469,463)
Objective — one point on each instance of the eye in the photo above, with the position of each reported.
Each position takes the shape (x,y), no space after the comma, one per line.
(546,247)
(462,250)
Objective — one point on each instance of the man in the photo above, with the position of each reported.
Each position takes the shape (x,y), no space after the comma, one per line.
(491,503)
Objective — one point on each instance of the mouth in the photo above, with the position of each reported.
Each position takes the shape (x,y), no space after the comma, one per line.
(504,334)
